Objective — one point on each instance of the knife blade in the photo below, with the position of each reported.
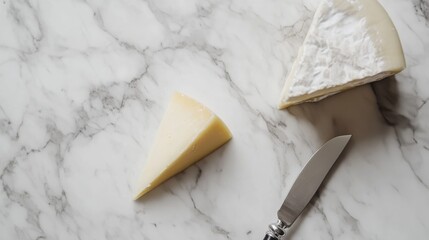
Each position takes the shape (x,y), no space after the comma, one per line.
(306,185)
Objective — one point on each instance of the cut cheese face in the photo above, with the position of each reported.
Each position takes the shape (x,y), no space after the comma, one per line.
(188,132)
(349,43)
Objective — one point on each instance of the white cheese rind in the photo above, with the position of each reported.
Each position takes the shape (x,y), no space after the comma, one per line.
(349,43)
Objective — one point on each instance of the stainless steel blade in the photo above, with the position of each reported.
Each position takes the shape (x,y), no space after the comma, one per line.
(310,178)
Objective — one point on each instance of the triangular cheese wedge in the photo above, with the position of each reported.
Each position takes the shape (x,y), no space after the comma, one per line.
(349,43)
(188,132)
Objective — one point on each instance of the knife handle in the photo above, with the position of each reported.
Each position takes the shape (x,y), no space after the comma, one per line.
(268,237)
(276,231)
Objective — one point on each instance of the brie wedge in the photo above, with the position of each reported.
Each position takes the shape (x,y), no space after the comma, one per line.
(188,132)
(349,43)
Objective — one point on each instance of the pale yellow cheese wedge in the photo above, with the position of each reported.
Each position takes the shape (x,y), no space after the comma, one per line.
(188,132)
(349,43)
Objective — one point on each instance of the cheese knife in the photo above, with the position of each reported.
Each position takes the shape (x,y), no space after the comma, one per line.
(306,185)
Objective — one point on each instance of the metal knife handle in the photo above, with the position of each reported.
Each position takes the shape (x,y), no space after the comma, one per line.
(268,237)
(276,231)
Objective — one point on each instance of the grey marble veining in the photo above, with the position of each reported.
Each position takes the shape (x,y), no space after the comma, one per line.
(84,84)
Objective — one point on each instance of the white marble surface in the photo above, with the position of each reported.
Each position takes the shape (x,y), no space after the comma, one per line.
(83,85)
